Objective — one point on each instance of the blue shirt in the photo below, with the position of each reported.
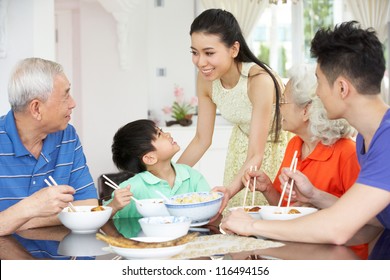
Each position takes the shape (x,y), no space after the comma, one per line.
(21,174)
(143,185)
(375,164)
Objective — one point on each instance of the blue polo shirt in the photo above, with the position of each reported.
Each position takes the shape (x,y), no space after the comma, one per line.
(21,174)
(143,185)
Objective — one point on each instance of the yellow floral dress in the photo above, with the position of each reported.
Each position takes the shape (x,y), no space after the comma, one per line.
(235,106)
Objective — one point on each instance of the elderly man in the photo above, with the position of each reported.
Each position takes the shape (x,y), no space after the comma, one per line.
(36,142)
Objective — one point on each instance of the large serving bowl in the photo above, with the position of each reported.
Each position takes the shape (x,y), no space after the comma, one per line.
(152,207)
(84,220)
(199,206)
(284,213)
(251,210)
(166,226)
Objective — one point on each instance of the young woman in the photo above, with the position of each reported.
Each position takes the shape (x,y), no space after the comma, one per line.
(246,92)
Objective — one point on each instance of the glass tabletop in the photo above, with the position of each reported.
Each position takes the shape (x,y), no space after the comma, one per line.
(60,243)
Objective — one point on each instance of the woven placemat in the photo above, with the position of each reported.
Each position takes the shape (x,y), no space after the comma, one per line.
(219,244)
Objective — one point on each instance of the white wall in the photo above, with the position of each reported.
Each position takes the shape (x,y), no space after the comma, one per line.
(29,32)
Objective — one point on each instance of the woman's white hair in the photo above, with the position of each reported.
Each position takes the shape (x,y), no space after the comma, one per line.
(33,78)
(303,90)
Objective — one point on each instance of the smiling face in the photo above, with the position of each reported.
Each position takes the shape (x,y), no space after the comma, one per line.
(56,111)
(165,146)
(211,56)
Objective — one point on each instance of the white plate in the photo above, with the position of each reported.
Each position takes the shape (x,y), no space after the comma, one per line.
(149,253)
(198,224)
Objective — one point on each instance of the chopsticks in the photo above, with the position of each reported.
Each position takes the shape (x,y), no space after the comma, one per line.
(247,188)
(54,183)
(254,189)
(113,185)
(292,183)
(286,183)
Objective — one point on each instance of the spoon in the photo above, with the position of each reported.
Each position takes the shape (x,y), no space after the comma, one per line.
(162,195)
(136,200)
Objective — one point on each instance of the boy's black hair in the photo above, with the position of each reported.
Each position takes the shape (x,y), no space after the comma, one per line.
(131,142)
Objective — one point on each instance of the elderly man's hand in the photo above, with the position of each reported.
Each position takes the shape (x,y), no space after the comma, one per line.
(49,201)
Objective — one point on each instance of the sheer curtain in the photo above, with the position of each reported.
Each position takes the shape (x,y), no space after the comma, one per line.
(371,13)
(247,12)
(375,14)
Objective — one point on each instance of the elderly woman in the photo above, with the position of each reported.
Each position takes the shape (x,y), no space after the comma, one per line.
(325,151)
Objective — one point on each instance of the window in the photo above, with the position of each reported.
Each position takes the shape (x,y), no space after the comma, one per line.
(284,31)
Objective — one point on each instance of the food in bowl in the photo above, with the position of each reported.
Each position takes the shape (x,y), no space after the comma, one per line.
(284,213)
(97,208)
(195,197)
(251,210)
(84,220)
(165,226)
(291,211)
(199,206)
(152,207)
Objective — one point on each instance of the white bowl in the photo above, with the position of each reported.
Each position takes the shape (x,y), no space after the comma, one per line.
(199,206)
(152,207)
(282,213)
(168,226)
(84,220)
(82,245)
(254,214)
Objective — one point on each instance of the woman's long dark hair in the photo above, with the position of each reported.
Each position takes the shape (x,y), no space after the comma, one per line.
(224,24)
(131,142)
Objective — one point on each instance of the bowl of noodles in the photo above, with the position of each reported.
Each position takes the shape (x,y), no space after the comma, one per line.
(86,219)
(199,206)
(268,212)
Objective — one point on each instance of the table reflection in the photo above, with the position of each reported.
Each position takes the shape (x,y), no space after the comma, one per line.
(58,243)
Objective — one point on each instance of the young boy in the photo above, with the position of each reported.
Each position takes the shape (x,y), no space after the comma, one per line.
(143,149)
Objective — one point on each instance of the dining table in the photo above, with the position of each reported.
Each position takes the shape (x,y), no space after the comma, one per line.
(59,243)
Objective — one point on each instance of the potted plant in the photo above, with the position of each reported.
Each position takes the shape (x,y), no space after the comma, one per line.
(181,110)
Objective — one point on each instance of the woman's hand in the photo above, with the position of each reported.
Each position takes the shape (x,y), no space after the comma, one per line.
(263,182)
(225,199)
(303,190)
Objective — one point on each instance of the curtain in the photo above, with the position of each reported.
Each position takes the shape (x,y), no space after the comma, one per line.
(247,12)
(375,14)
(371,13)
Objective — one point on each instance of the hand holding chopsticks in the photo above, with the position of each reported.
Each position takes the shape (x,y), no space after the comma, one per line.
(113,185)
(293,163)
(292,183)
(247,187)
(54,183)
